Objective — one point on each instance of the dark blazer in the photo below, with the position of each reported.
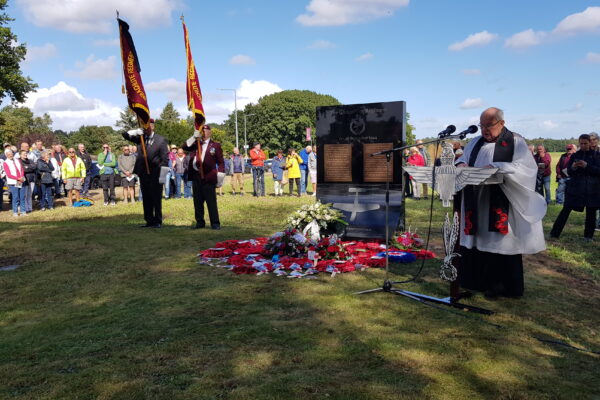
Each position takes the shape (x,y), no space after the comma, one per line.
(583,189)
(158,154)
(87,160)
(213,162)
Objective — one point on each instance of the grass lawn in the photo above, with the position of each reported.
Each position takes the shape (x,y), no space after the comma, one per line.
(100,309)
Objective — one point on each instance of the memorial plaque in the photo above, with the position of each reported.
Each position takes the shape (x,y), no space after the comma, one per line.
(338,167)
(351,180)
(374,167)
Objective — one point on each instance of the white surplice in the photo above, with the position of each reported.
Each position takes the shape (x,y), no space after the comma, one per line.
(527,207)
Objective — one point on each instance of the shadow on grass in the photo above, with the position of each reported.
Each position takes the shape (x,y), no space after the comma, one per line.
(102,309)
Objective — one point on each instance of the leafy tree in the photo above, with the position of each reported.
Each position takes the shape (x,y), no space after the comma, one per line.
(280,119)
(94,137)
(175,132)
(12,82)
(41,125)
(169,113)
(15,122)
(127,119)
(220,135)
(410,131)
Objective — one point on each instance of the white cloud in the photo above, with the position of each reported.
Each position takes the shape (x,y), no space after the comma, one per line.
(583,22)
(587,21)
(173,89)
(83,16)
(69,109)
(548,125)
(364,57)
(592,58)
(342,12)
(219,105)
(95,69)
(106,42)
(476,39)
(40,53)
(321,44)
(241,59)
(471,72)
(525,39)
(575,108)
(472,103)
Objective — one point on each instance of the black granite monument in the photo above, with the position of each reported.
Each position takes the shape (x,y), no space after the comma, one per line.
(352,180)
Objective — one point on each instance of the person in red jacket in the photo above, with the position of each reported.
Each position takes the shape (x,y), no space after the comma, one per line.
(203,170)
(258,169)
(415,159)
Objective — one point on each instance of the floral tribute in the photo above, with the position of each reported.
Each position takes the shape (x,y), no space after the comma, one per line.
(323,215)
(410,242)
(331,248)
(290,242)
(287,254)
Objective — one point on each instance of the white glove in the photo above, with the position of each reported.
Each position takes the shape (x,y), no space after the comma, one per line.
(197,133)
(136,132)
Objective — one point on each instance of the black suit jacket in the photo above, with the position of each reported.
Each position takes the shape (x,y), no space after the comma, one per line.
(157,151)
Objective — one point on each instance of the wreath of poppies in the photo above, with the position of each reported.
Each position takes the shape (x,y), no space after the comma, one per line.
(291,254)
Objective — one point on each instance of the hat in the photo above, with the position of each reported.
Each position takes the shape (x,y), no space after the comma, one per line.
(173,146)
(255,144)
(570,147)
(6,145)
(151,120)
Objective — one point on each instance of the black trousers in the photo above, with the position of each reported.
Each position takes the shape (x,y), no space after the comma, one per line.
(563,216)
(204,192)
(291,183)
(108,187)
(152,199)
(481,271)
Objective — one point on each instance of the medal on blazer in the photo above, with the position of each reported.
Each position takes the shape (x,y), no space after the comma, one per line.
(212,151)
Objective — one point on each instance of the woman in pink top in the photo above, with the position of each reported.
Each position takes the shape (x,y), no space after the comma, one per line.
(415,159)
(15,176)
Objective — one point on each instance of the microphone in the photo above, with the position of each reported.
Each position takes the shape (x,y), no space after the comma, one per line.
(448,131)
(471,129)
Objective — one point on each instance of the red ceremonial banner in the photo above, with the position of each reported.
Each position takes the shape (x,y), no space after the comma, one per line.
(194,94)
(136,95)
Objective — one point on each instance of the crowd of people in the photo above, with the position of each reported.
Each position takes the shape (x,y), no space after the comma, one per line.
(35,173)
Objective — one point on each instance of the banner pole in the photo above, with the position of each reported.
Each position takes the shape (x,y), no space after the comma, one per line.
(143,143)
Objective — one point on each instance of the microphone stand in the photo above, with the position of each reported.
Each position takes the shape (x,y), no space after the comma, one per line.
(388,285)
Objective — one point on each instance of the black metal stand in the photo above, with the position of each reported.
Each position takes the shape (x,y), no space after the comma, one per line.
(388,285)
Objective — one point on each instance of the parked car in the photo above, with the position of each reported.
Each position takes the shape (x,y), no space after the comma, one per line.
(248,166)
(95,173)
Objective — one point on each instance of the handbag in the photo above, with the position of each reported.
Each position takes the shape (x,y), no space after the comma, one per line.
(46,177)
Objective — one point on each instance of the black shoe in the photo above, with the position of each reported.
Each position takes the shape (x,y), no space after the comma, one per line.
(156,226)
(494,292)
(216,227)
(146,226)
(198,226)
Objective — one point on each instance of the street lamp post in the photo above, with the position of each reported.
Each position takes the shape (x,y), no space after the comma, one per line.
(245,133)
(237,141)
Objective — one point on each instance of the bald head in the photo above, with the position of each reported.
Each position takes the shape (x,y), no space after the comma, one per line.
(494,113)
(491,123)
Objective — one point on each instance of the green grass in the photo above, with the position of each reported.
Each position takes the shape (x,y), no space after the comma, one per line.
(102,309)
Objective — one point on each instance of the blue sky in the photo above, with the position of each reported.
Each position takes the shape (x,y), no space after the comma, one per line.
(538,60)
